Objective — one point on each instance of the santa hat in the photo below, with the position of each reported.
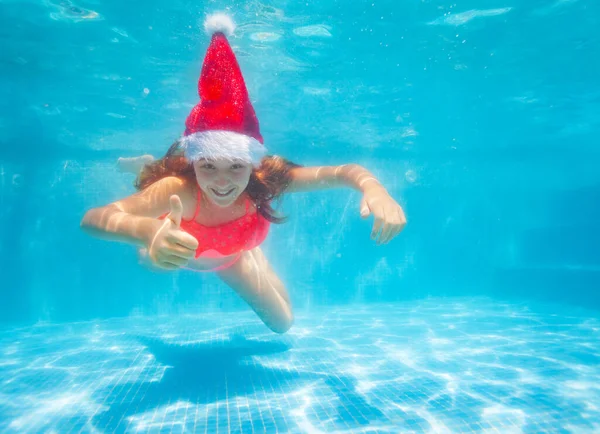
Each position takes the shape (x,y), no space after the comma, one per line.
(223,124)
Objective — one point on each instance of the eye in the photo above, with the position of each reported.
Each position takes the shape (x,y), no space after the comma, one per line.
(208,166)
(237,166)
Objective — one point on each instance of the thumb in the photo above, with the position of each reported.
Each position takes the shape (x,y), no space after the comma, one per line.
(176,210)
(364,209)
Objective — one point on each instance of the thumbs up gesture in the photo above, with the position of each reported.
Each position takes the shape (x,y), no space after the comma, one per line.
(172,248)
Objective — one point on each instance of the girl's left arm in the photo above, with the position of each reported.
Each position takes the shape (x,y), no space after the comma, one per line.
(388,214)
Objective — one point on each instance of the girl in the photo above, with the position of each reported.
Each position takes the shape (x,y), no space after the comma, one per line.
(206,205)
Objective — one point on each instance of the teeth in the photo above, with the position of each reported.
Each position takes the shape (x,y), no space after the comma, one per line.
(219,193)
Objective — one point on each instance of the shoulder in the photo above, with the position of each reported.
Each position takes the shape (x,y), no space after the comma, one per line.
(172,182)
(172,185)
(185,189)
(166,187)
(154,200)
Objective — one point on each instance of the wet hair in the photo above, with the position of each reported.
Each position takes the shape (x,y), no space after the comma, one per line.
(267,182)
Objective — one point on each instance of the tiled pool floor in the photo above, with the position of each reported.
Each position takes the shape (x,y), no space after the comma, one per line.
(437,365)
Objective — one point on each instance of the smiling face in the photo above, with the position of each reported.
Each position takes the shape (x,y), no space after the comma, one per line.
(222,181)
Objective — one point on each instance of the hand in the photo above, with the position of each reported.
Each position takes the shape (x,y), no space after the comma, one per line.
(389,216)
(171,247)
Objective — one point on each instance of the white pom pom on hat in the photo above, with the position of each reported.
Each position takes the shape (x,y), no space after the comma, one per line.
(219,22)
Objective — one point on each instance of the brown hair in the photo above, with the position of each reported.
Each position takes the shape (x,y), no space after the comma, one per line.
(267,181)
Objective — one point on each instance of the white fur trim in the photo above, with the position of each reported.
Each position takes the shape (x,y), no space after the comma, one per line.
(223,144)
(219,22)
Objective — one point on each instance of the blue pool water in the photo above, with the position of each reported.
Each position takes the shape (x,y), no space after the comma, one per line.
(437,365)
(480,118)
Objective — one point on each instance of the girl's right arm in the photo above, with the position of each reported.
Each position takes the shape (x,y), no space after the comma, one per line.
(135,218)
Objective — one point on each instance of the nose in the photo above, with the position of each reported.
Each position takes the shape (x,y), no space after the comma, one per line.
(222,181)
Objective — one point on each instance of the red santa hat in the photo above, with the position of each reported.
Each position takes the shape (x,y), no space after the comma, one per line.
(223,124)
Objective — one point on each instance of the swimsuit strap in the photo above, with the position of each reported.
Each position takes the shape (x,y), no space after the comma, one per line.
(199,197)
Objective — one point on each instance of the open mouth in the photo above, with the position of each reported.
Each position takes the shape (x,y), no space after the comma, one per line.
(222,193)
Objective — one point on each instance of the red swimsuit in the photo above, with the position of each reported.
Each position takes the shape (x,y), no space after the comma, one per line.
(229,238)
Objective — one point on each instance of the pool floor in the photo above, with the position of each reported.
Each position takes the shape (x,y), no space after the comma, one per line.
(443,365)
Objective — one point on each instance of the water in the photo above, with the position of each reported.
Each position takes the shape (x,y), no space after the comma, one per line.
(481,119)
(437,365)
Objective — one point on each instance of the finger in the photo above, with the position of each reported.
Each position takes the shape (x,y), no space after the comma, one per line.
(401,222)
(395,232)
(175,260)
(389,227)
(165,266)
(181,252)
(395,225)
(396,229)
(387,232)
(402,216)
(379,214)
(377,226)
(183,239)
(170,261)
(364,209)
(169,267)
(176,210)
(401,225)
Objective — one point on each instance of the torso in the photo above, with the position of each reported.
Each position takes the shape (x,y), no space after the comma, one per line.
(225,230)
(212,216)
